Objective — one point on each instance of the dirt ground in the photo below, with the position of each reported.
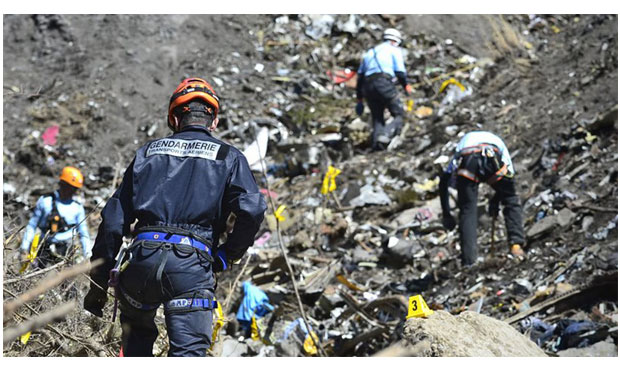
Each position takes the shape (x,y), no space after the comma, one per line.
(545,84)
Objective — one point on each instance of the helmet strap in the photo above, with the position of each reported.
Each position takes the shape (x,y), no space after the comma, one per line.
(206,109)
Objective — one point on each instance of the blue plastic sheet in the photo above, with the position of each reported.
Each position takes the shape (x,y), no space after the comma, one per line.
(255,303)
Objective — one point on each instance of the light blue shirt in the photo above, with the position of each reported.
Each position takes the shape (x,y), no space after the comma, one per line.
(475,138)
(73,213)
(383,58)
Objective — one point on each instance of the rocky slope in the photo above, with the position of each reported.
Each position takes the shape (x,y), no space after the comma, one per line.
(547,85)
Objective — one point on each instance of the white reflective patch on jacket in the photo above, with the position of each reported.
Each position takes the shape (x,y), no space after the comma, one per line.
(184,148)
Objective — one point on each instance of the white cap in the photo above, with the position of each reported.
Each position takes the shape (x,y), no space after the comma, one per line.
(392,34)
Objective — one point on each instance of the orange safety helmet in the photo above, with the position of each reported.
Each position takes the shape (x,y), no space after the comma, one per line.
(190,89)
(72,176)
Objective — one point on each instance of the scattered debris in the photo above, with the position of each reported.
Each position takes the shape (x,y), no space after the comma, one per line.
(373,238)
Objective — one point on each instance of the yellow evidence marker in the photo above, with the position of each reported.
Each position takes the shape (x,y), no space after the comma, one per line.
(418,308)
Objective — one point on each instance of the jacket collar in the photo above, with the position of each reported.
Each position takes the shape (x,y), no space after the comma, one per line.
(196,127)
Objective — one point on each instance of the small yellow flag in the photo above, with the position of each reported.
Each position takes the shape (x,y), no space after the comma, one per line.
(278,213)
(409,105)
(218,325)
(34,246)
(451,81)
(24,338)
(329,181)
(418,308)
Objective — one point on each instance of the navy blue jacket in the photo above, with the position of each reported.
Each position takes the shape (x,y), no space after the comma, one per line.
(188,180)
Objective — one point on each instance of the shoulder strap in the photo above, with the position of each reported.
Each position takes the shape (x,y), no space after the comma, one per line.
(63,225)
(377,60)
(222,153)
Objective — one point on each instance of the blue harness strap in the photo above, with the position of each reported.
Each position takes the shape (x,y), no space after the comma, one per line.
(173,238)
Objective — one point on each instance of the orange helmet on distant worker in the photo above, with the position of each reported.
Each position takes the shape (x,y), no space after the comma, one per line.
(190,89)
(72,176)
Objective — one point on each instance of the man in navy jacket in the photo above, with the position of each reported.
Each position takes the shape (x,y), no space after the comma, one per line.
(181,190)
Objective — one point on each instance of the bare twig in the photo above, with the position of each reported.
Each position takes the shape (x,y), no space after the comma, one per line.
(232,289)
(38,322)
(13,236)
(97,348)
(36,273)
(284,254)
(11,306)
(543,305)
(360,311)
(117,171)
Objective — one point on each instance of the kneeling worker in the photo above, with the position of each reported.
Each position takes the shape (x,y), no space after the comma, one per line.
(481,157)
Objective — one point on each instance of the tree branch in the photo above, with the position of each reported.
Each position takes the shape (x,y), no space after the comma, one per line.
(37,322)
(11,306)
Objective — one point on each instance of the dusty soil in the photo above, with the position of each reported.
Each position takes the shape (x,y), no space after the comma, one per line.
(469,335)
(546,85)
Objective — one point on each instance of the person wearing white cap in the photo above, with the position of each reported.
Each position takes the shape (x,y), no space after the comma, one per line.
(375,82)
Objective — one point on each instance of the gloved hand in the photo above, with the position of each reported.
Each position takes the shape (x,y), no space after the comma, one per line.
(493,207)
(95,300)
(220,262)
(408,89)
(359,108)
(449,222)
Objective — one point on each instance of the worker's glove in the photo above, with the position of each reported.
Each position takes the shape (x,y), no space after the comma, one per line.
(359,108)
(493,207)
(95,300)
(408,89)
(449,222)
(220,262)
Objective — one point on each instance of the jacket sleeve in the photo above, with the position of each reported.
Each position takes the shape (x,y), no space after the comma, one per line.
(444,195)
(359,86)
(83,232)
(402,78)
(444,183)
(117,216)
(360,80)
(244,200)
(399,67)
(32,226)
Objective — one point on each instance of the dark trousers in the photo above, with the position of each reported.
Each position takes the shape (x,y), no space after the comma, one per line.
(380,94)
(185,274)
(46,258)
(468,215)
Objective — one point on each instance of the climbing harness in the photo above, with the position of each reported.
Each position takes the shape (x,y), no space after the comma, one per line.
(487,152)
(173,238)
(166,239)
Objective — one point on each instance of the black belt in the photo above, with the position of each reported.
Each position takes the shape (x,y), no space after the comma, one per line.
(374,76)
